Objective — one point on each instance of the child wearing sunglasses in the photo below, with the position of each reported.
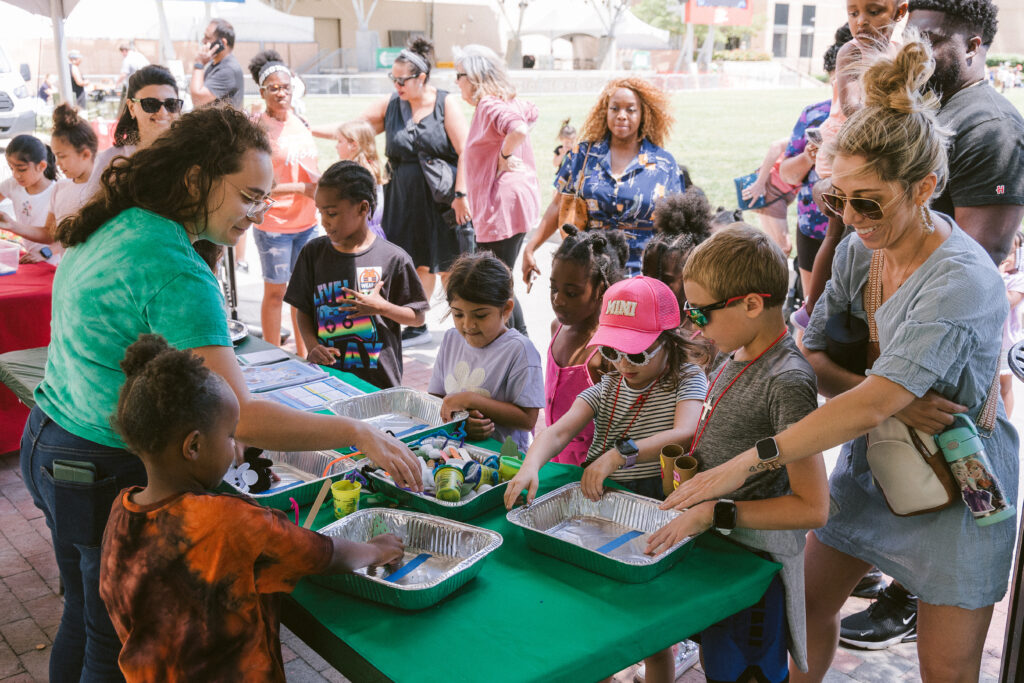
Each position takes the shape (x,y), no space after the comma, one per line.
(735,285)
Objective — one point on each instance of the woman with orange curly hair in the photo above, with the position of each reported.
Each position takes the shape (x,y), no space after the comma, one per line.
(618,167)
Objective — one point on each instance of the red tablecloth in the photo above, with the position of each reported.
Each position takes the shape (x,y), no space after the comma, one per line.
(25,299)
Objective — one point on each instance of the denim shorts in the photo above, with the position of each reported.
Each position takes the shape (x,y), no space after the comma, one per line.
(279,251)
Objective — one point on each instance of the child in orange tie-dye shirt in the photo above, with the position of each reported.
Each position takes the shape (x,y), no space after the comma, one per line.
(189,577)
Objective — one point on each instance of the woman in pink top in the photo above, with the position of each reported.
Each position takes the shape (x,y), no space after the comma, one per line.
(291,222)
(496,166)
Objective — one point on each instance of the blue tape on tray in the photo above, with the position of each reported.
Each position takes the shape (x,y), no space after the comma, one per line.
(408,567)
(621,540)
(410,430)
(278,489)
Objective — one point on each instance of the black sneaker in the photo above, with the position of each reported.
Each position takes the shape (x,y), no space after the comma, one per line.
(870,586)
(415,336)
(889,620)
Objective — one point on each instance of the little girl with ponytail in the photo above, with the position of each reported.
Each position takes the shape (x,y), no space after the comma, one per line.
(34,169)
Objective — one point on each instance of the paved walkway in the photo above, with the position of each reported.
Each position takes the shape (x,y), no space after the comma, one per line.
(30,608)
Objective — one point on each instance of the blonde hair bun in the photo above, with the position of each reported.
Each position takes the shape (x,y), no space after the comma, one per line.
(898,83)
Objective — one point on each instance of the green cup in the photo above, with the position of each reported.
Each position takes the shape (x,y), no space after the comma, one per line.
(488,475)
(509,467)
(448,482)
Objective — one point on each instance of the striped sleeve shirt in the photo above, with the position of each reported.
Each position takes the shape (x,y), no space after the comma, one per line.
(655,415)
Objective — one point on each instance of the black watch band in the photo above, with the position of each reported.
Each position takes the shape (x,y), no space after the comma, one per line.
(724,517)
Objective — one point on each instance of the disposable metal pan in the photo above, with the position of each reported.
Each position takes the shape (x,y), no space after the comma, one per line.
(401,411)
(441,556)
(301,475)
(607,536)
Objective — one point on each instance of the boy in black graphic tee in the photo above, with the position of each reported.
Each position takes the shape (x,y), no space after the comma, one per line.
(353,291)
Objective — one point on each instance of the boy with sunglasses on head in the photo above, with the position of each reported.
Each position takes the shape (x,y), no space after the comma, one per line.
(735,286)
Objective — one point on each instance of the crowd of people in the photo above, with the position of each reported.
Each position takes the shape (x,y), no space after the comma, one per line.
(671,324)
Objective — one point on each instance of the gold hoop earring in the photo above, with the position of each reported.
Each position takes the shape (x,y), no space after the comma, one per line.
(926,220)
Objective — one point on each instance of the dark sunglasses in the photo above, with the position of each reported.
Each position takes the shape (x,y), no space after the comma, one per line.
(698,315)
(461,74)
(643,358)
(151,105)
(869,208)
(401,80)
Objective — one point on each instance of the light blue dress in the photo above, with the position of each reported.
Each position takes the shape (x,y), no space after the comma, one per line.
(941,330)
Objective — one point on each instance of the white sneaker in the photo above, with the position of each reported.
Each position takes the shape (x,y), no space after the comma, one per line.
(684,654)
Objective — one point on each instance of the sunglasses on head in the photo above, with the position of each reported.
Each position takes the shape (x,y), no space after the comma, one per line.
(698,315)
(640,359)
(401,80)
(151,105)
(869,208)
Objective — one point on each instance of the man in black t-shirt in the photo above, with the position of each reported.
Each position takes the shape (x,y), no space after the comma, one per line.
(217,75)
(985,190)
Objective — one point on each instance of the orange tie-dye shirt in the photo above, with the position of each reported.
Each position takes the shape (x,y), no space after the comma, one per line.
(189,583)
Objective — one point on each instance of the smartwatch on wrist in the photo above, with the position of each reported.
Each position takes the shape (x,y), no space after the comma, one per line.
(628,450)
(198,65)
(724,517)
(768,454)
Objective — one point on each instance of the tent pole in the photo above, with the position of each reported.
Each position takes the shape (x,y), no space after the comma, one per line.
(63,67)
(166,46)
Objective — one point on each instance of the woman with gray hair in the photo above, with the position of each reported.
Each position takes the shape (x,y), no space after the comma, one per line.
(497,165)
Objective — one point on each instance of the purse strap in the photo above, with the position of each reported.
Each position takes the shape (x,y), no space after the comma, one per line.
(873,301)
(583,169)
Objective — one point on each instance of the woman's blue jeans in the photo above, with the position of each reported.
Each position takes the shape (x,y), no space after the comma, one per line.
(86,646)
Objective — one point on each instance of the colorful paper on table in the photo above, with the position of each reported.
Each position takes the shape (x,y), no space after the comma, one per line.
(278,375)
(313,396)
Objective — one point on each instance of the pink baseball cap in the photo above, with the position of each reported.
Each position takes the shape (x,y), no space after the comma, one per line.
(634,312)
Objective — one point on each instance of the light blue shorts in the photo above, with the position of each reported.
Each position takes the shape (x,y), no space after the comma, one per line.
(279,252)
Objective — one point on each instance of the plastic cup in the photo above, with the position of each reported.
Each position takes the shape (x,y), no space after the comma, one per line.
(669,454)
(488,476)
(448,482)
(509,467)
(346,497)
(686,467)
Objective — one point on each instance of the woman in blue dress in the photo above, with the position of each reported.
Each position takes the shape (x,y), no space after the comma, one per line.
(624,168)
(939,324)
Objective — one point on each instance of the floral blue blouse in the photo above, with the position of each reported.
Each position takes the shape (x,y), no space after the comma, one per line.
(626,202)
(810,220)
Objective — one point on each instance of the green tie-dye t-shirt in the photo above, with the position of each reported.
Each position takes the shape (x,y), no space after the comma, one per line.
(137,274)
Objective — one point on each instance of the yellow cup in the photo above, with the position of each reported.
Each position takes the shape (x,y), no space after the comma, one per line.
(346,497)
(686,467)
(668,466)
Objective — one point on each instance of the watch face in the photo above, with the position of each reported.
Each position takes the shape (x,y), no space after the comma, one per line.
(725,515)
(767,449)
(626,447)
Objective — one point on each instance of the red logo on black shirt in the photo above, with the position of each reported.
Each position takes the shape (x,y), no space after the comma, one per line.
(1000,189)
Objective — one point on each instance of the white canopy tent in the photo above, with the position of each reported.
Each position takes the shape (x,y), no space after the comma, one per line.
(579,17)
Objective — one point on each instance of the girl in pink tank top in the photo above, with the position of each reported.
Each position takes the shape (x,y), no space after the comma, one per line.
(584,266)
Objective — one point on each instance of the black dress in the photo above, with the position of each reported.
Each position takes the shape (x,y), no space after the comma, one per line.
(412,219)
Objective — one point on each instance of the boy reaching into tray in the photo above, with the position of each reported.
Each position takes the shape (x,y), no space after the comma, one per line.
(735,286)
(189,577)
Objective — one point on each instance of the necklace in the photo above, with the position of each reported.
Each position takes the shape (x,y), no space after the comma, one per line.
(638,404)
(904,275)
(708,409)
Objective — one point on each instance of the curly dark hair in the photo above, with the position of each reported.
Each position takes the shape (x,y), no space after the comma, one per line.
(167,394)
(351,181)
(73,129)
(261,59)
(603,252)
(842,37)
(210,139)
(685,212)
(127,130)
(655,118)
(976,17)
(480,278)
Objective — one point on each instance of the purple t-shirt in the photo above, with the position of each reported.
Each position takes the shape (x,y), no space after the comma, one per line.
(508,369)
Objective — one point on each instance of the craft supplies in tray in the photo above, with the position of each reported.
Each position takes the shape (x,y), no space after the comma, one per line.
(399,411)
(440,557)
(607,536)
(301,474)
(468,473)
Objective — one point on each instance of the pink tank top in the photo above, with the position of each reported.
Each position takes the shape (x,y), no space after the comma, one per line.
(561,387)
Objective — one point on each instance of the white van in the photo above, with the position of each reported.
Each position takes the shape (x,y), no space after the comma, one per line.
(17,110)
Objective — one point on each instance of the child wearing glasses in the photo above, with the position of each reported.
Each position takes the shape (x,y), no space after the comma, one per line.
(735,286)
(352,290)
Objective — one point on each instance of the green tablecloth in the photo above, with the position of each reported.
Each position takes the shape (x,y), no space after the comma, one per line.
(527,616)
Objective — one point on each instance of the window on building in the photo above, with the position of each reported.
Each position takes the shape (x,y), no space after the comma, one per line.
(781,29)
(807,31)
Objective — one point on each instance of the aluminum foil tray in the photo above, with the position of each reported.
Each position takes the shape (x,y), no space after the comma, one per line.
(401,411)
(461,511)
(607,536)
(237,330)
(440,557)
(301,474)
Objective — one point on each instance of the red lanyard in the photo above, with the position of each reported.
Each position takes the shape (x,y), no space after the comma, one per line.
(708,410)
(638,404)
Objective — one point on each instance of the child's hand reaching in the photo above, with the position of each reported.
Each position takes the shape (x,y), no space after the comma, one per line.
(596,472)
(526,478)
(323,355)
(691,522)
(371,303)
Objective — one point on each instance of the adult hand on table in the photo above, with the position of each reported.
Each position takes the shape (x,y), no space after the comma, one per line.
(691,522)
(390,454)
(389,551)
(709,485)
(596,472)
(526,478)
(931,413)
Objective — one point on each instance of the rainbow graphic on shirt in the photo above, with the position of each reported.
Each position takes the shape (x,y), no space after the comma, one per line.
(355,335)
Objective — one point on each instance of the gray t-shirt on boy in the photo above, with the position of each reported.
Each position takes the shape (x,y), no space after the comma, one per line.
(508,369)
